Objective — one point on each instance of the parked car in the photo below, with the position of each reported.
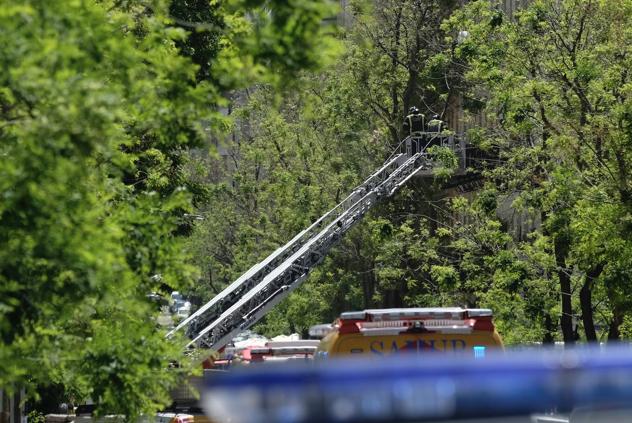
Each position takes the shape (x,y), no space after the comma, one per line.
(177,302)
(184,310)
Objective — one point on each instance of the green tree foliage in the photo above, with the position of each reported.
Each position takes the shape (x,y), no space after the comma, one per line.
(99,103)
(70,278)
(289,164)
(204,25)
(552,84)
(555,81)
(286,169)
(399,61)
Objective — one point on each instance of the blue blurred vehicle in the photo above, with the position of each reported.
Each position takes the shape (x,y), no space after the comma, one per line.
(577,385)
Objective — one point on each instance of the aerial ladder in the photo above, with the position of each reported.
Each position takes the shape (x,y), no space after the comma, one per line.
(257,291)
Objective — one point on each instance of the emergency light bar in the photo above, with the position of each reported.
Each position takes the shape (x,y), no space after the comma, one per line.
(416,313)
(396,327)
(394,321)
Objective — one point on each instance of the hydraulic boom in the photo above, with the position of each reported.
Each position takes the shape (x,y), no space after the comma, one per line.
(264,285)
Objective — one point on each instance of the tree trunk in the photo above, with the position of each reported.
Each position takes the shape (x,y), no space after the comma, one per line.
(368,285)
(614,334)
(549,329)
(392,299)
(585,298)
(566,321)
(613,329)
(560,249)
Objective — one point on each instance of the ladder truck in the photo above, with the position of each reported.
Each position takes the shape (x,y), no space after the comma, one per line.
(257,291)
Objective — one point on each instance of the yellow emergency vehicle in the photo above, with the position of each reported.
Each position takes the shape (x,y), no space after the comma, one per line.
(383,332)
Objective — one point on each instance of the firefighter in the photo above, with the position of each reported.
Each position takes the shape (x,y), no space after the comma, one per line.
(436,125)
(414,125)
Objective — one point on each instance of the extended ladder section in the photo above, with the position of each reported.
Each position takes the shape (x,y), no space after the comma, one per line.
(264,285)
